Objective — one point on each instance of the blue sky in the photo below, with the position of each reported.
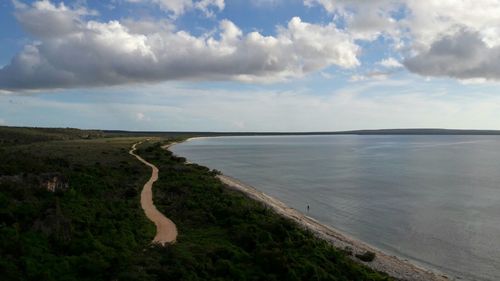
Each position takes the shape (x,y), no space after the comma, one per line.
(266,65)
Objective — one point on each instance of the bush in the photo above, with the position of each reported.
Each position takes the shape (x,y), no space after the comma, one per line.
(347,250)
(224,235)
(366,257)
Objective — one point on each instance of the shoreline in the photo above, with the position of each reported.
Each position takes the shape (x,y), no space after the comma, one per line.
(394,266)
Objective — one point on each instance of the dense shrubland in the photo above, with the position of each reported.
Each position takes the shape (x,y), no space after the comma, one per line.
(225,236)
(93,228)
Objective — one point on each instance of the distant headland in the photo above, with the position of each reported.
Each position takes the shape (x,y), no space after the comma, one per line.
(419,131)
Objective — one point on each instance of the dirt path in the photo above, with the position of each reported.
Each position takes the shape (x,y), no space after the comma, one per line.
(166,231)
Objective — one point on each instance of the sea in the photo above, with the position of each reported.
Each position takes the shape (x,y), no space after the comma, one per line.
(431,199)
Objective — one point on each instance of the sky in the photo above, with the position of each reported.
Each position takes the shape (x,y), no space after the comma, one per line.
(262,65)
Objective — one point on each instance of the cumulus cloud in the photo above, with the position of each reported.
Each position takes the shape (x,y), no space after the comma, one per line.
(205,6)
(429,21)
(458,39)
(424,21)
(60,18)
(424,31)
(463,55)
(91,53)
(365,20)
(71,48)
(390,63)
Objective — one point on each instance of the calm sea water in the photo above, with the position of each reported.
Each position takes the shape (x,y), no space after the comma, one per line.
(434,200)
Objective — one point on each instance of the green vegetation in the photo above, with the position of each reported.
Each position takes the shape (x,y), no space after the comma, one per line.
(92,227)
(21,135)
(366,256)
(223,235)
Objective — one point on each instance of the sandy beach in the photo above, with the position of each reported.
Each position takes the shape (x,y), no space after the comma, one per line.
(166,231)
(396,267)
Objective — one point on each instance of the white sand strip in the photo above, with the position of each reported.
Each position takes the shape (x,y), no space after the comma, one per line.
(392,265)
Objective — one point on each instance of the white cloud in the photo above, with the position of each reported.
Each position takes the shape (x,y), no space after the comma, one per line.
(140,116)
(429,21)
(425,21)
(92,53)
(458,39)
(473,81)
(371,104)
(326,75)
(344,110)
(463,55)
(425,25)
(390,63)
(72,49)
(365,20)
(18,4)
(205,6)
(372,75)
(367,105)
(179,7)
(61,19)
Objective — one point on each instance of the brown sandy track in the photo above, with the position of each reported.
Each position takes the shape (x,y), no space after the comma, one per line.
(396,267)
(166,231)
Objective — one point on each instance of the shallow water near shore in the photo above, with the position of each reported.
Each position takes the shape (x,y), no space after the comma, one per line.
(434,200)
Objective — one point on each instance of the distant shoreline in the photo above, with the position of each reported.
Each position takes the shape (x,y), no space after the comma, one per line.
(90,133)
(412,132)
(392,265)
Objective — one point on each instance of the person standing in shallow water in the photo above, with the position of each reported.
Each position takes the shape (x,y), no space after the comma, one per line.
(308,208)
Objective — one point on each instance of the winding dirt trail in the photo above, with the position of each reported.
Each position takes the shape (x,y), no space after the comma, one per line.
(166,231)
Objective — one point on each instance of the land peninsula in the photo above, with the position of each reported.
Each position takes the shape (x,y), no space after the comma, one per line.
(90,225)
